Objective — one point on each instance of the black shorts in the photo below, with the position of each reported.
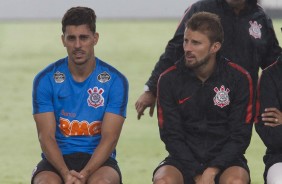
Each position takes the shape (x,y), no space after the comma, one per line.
(75,161)
(188,179)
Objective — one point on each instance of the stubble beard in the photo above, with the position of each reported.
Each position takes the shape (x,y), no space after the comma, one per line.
(198,63)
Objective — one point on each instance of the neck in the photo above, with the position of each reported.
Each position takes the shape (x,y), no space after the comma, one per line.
(81,72)
(205,71)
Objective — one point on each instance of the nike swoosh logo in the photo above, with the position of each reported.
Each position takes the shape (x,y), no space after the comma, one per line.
(183,100)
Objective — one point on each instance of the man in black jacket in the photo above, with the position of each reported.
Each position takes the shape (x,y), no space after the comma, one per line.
(269,120)
(204,111)
(249,40)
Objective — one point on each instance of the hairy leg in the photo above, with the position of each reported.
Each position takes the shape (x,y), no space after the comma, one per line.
(168,175)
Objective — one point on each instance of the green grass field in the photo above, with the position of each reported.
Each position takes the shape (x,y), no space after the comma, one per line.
(131,46)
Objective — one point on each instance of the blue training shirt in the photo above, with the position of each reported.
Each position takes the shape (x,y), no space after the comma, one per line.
(79,107)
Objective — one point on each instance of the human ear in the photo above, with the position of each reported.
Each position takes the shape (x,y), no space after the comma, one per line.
(96,38)
(215,47)
(63,40)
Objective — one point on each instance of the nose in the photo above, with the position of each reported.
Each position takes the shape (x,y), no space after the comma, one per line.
(77,43)
(187,46)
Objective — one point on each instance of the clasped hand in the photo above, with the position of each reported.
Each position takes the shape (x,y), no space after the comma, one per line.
(74,177)
(272,117)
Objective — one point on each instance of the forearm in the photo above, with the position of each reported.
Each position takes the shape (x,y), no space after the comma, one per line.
(100,155)
(53,154)
(208,176)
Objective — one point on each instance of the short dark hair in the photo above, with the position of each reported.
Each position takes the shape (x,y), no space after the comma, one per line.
(208,23)
(79,16)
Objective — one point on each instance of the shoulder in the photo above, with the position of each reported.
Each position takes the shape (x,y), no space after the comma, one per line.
(237,68)
(235,71)
(169,73)
(51,69)
(108,70)
(258,13)
(274,69)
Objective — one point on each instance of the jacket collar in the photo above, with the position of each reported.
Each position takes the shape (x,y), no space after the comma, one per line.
(180,65)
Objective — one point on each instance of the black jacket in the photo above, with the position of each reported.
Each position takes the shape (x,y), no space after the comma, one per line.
(270,95)
(205,124)
(249,38)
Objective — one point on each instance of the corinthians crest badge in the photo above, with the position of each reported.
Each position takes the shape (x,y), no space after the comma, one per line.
(221,98)
(254,30)
(95,98)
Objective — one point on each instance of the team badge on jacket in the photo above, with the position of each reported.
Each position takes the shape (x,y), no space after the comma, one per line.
(95,98)
(254,30)
(221,98)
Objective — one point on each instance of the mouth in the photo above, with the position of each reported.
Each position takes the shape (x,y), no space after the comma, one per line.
(78,54)
(189,57)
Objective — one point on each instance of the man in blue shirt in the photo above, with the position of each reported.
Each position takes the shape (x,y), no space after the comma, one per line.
(79,106)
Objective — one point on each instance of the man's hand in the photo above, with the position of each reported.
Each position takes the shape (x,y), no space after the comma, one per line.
(147,99)
(73,177)
(272,117)
(207,177)
(197,179)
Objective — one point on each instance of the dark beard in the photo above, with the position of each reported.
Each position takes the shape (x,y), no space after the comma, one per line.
(200,63)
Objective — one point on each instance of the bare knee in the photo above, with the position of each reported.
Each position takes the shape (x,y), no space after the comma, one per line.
(47,178)
(168,175)
(99,177)
(236,181)
(234,175)
(101,181)
(163,180)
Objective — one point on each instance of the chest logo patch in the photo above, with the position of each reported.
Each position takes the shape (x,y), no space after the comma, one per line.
(59,77)
(104,77)
(255,29)
(221,98)
(95,98)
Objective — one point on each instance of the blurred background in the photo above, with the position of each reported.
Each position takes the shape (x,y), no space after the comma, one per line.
(110,9)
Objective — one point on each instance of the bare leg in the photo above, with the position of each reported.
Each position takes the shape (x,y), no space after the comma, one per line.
(47,177)
(104,175)
(168,175)
(234,175)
